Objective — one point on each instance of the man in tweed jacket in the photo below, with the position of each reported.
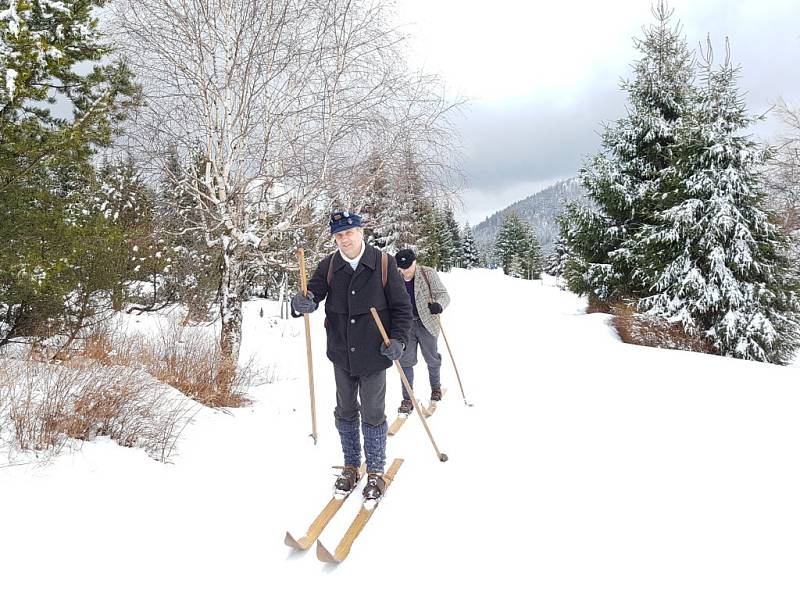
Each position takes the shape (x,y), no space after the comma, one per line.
(428,299)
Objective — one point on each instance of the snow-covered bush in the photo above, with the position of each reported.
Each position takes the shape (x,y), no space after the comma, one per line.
(43,407)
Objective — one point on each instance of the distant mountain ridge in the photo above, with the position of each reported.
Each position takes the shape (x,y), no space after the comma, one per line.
(539,209)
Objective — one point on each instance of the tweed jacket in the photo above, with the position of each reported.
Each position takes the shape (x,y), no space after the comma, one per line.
(423,293)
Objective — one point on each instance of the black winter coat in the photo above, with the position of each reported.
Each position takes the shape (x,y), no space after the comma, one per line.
(354,341)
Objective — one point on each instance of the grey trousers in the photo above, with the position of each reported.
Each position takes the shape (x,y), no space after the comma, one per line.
(372,390)
(419,336)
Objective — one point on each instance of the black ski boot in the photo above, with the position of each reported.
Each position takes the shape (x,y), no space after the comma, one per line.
(436,394)
(347,480)
(405,407)
(375,487)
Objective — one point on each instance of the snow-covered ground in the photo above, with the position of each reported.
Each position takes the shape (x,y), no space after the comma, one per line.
(586,469)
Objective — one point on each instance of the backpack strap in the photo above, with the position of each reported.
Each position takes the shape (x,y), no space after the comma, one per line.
(329,278)
(428,281)
(384,269)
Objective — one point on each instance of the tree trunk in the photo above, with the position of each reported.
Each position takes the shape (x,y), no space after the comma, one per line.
(118,297)
(231,288)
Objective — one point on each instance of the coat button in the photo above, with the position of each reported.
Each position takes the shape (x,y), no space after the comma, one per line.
(352,349)
(352,320)
(353,292)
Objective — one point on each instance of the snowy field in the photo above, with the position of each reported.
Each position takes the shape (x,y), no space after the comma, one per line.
(586,469)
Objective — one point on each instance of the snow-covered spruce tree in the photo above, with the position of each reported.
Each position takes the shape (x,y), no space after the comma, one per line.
(555,262)
(118,220)
(625,180)
(389,187)
(378,229)
(721,261)
(396,205)
(415,208)
(533,259)
(456,257)
(516,268)
(127,201)
(507,243)
(194,275)
(438,252)
(514,247)
(48,218)
(426,244)
(468,250)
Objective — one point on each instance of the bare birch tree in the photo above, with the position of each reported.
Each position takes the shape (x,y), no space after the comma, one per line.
(283,100)
(784,175)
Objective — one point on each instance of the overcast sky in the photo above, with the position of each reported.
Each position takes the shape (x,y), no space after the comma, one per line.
(541,79)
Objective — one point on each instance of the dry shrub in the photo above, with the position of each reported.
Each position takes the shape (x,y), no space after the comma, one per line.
(112,384)
(38,401)
(185,357)
(595,305)
(98,346)
(49,404)
(110,343)
(189,359)
(129,407)
(644,330)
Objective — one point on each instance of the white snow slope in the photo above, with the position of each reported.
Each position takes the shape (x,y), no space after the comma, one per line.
(587,469)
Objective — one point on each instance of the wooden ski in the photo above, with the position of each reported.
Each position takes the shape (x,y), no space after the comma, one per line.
(402,417)
(322,520)
(364,514)
(398,423)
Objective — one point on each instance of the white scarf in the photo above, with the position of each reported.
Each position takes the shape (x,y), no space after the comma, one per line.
(354,261)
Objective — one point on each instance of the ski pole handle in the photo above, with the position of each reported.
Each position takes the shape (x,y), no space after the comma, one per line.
(301,256)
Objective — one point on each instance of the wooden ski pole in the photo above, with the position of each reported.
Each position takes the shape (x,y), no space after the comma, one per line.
(301,255)
(442,456)
(453,360)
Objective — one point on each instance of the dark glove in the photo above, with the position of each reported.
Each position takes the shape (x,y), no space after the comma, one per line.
(302,304)
(435,308)
(393,351)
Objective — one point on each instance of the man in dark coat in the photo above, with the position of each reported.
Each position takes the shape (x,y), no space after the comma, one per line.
(354,279)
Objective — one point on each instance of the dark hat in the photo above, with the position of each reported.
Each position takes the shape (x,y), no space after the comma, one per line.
(342,220)
(405,258)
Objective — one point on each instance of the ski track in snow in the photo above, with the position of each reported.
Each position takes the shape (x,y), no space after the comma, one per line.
(587,469)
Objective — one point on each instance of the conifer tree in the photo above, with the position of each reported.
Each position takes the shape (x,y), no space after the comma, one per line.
(533,260)
(511,244)
(129,204)
(468,250)
(626,179)
(49,221)
(719,262)
(194,274)
(387,210)
(516,267)
(425,240)
(556,261)
(456,257)
(438,251)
